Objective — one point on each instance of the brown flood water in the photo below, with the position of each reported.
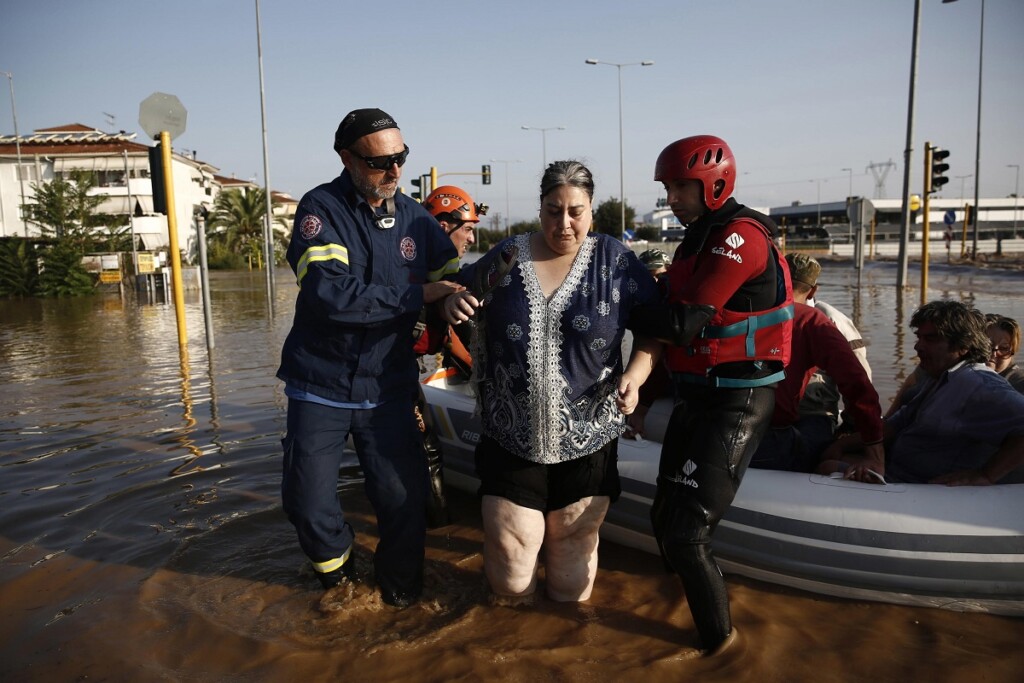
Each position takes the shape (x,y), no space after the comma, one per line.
(142,537)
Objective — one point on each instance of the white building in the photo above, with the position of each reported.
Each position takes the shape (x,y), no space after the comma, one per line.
(122,171)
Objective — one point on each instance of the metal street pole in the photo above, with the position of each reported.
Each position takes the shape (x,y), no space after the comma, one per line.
(622,174)
(17,150)
(506,162)
(1016,195)
(963,180)
(977,143)
(908,153)
(819,202)
(544,141)
(268,230)
(848,200)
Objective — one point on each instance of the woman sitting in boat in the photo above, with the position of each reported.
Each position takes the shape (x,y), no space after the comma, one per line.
(965,426)
(552,392)
(1004,333)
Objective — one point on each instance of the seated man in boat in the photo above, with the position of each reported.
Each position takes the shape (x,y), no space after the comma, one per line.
(966,424)
(796,440)
(458,216)
(819,407)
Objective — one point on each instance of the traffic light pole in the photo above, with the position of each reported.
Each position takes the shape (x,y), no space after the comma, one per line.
(925,223)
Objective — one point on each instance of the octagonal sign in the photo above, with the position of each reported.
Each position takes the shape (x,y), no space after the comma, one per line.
(162,112)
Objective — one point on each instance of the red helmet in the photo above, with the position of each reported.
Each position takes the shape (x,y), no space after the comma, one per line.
(452,204)
(702,157)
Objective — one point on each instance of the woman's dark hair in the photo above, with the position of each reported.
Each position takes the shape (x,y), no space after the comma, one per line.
(569,172)
(960,325)
(1007,325)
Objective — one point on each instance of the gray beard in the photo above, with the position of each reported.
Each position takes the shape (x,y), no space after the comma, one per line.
(372,191)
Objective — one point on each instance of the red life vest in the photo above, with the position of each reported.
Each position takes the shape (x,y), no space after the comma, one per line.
(732,336)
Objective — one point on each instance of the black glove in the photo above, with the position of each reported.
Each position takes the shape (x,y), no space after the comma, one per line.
(675,324)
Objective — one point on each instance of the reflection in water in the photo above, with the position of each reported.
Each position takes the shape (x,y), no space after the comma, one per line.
(142,537)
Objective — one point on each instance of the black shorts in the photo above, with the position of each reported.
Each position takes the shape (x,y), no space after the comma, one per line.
(547,487)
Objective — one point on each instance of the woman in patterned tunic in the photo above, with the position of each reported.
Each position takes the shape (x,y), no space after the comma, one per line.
(551,388)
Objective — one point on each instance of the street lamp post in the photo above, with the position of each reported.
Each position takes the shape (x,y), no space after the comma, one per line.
(908,152)
(506,162)
(1016,195)
(963,180)
(849,198)
(977,143)
(268,223)
(17,150)
(622,175)
(818,180)
(544,140)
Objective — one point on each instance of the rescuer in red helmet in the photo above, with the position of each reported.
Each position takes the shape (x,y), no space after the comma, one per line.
(728,330)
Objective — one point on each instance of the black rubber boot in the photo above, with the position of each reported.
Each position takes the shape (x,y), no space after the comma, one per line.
(437,502)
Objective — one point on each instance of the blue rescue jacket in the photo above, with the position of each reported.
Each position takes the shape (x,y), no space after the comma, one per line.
(360,294)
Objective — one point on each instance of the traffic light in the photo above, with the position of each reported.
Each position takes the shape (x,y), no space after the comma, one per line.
(485,174)
(938,169)
(418,194)
(156,178)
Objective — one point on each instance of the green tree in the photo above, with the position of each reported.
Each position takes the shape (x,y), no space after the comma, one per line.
(115,235)
(65,209)
(608,217)
(19,267)
(62,273)
(236,225)
(521,227)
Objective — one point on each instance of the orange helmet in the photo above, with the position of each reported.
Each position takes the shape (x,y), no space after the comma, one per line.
(451,204)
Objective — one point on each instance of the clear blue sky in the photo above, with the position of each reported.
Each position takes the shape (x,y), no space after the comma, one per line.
(800,89)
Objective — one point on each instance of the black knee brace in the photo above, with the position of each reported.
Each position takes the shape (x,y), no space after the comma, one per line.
(680,523)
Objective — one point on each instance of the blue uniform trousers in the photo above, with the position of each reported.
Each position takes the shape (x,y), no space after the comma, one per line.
(387,442)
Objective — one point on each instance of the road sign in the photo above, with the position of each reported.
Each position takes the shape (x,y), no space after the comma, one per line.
(860,211)
(162,112)
(949,218)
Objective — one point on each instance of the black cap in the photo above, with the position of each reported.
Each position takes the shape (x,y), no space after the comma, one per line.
(360,122)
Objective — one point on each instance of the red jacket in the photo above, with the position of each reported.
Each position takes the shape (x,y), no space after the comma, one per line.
(733,256)
(818,343)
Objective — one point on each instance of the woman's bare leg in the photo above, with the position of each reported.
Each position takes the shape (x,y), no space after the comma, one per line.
(512,539)
(570,548)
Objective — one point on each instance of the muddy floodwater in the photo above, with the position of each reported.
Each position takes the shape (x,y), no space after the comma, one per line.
(142,536)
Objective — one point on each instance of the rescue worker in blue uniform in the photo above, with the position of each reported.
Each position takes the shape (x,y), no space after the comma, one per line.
(367,259)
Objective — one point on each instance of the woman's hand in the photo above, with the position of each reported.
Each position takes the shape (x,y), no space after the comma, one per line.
(459,307)
(628,395)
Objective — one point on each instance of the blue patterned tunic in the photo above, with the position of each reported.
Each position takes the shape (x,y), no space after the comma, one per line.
(547,369)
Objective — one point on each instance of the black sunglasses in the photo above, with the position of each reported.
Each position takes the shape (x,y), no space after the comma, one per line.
(383,163)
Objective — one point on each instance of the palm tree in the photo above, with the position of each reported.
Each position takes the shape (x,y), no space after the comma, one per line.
(236,222)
